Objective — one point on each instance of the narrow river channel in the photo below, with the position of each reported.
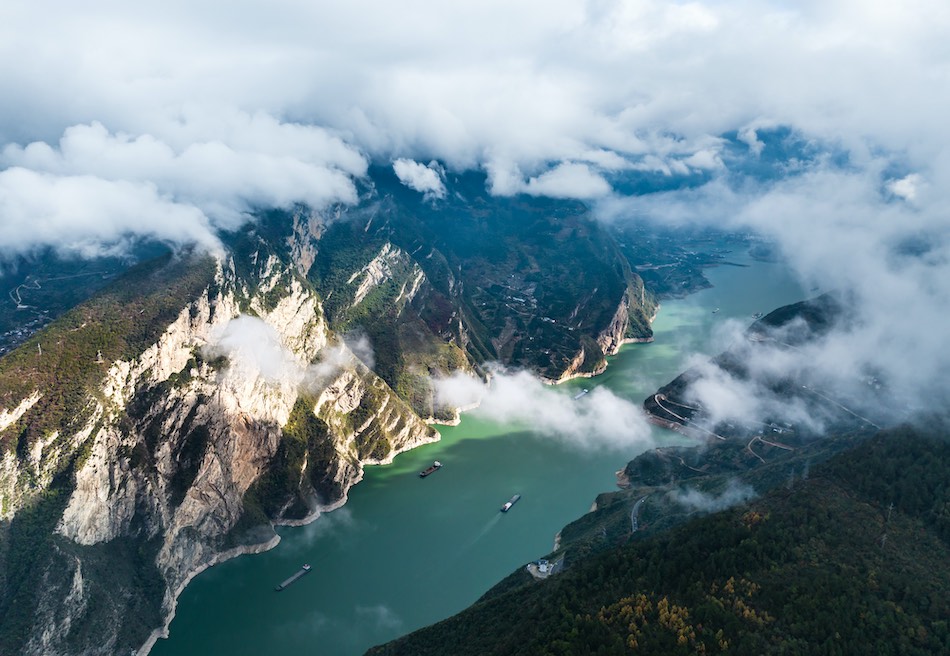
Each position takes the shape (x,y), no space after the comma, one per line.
(405,552)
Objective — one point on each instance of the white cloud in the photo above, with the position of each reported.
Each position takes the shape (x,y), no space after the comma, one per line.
(253,349)
(734,494)
(165,120)
(748,136)
(706,159)
(596,420)
(87,216)
(427,180)
(359,344)
(214,184)
(566,180)
(906,187)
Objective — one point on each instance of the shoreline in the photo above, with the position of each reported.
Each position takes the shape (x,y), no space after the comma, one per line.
(163,632)
(261,547)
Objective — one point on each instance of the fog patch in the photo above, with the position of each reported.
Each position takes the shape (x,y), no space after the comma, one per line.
(331,360)
(253,349)
(599,419)
(359,344)
(338,525)
(695,500)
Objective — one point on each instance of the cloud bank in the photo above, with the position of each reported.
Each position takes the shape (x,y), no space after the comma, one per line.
(93,189)
(170,121)
(284,102)
(599,419)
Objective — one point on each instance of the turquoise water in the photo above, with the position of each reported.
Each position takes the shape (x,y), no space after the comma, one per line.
(405,552)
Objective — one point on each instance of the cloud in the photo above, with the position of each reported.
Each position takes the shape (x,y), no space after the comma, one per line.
(103,187)
(338,525)
(566,180)
(426,180)
(332,359)
(599,419)
(734,494)
(87,216)
(848,228)
(905,187)
(253,349)
(748,136)
(469,81)
(163,120)
(359,344)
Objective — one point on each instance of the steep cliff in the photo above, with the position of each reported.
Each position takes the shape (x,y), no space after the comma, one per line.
(174,418)
(164,461)
(528,282)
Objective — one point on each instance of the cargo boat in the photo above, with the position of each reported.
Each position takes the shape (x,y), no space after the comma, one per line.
(303,570)
(512,501)
(435,466)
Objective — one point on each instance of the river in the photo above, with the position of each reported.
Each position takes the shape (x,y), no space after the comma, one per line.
(405,552)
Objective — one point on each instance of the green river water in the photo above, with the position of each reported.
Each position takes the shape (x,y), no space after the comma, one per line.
(405,552)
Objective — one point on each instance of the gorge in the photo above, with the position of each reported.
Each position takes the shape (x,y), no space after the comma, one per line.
(140,427)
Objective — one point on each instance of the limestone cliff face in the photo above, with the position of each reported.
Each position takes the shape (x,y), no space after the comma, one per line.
(630,323)
(170,447)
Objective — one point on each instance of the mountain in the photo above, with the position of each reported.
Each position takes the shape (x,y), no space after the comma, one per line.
(847,557)
(765,537)
(528,282)
(142,439)
(779,402)
(733,462)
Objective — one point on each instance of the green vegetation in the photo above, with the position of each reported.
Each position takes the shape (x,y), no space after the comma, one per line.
(120,322)
(805,569)
(26,548)
(594,360)
(305,438)
(48,285)
(526,281)
(661,476)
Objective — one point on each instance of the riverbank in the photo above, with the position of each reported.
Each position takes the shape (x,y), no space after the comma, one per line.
(257,548)
(448,526)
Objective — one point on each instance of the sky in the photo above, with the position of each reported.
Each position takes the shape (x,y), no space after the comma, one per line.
(172,120)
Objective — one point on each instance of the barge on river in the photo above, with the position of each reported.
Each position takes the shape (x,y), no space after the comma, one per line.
(434,467)
(512,501)
(303,570)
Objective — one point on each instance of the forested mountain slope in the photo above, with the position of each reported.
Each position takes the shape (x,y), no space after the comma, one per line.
(852,559)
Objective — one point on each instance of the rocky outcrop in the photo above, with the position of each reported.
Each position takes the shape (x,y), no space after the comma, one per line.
(612,337)
(175,439)
(378,270)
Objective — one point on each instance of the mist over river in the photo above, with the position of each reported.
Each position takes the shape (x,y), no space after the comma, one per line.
(405,552)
